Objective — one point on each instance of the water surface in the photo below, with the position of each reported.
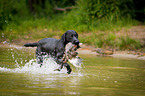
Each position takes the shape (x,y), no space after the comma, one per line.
(20,75)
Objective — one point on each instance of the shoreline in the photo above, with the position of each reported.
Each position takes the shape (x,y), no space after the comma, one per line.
(116,54)
(84,50)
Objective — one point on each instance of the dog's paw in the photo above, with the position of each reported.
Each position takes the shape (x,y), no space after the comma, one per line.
(69,71)
(41,65)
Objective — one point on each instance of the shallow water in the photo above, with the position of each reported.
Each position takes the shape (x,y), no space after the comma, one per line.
(99,76)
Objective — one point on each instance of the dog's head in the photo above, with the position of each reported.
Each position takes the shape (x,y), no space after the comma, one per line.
(70,36)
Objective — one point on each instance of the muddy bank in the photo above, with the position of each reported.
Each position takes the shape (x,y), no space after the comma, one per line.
(116,54)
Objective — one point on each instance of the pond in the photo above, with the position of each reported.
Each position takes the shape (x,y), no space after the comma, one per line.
(99,76)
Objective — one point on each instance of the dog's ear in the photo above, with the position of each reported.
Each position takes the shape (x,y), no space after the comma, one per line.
(63,37)
(76,34)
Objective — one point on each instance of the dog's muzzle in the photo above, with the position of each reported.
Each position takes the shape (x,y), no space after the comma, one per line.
(75,41)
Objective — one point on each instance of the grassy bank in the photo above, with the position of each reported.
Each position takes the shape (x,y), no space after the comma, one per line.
(96,25)
(103,34)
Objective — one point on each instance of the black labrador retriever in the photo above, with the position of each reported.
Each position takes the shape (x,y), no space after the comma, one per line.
(55,48)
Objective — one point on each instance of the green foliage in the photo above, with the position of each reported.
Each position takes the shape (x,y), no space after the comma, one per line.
(11,8)
(93,15)
(101,40)
(24,27)
(97,9)
(98,18)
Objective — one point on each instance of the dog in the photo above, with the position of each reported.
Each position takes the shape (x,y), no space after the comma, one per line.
(55,48)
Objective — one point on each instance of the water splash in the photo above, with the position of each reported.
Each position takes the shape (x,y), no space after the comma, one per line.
(77,62)
(32,67)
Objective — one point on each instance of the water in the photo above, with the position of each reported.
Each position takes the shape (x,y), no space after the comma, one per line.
(99,76)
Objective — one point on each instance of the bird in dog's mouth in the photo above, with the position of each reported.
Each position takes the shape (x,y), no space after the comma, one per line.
(70,55)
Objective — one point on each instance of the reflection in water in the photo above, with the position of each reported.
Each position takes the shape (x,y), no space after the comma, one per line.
(21,75)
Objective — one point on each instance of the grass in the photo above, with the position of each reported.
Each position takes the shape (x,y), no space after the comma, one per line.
(128,43)
(110,40)
(99,33)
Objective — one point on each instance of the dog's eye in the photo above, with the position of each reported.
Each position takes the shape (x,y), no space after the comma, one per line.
(71,35)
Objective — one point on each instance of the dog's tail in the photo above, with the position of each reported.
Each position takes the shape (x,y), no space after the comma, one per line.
(30,44)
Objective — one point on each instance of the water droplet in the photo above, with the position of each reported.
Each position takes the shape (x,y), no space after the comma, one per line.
(3,35)
(4,42)
(12,56)
(6,21)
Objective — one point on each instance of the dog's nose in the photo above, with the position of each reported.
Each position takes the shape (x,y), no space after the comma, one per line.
(77,42)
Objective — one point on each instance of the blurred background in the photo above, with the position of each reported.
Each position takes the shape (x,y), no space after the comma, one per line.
(100,23)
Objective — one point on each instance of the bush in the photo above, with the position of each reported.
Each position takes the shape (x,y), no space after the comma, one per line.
(97,9)
(93,15)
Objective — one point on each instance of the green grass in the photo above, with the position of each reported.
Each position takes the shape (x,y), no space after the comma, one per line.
(128,43)
(101,33)
(110,40)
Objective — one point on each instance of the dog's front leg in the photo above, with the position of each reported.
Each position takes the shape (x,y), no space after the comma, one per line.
(67,67)
(60,62)
(39,56)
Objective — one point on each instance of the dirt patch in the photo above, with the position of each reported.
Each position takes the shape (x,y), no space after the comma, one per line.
(138,32)
(135,32)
